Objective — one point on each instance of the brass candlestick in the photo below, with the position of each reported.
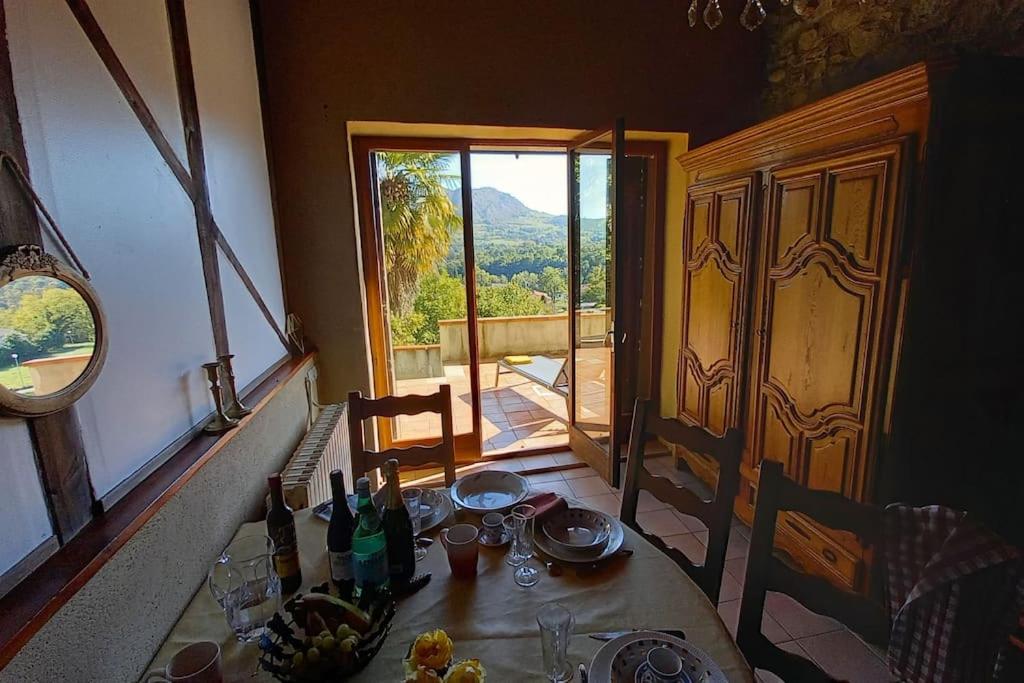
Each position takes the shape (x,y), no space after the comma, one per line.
(220,422)
(234,409)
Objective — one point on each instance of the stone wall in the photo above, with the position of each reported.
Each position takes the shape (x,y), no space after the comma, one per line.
(846,42)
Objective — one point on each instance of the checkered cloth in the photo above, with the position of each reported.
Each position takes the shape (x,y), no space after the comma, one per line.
(955,591)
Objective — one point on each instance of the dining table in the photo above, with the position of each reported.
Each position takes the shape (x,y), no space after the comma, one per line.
(490,617)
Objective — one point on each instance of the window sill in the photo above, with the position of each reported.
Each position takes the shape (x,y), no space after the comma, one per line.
(30,604)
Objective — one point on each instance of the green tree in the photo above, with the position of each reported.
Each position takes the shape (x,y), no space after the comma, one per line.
(527,279)
(595,288)
(50,318)
(507,301)
(439,297)
(553,283)
(418,217)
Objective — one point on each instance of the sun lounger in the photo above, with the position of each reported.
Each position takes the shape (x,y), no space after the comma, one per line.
(547,372)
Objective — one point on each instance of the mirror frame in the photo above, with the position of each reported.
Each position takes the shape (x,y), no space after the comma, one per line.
(30,260)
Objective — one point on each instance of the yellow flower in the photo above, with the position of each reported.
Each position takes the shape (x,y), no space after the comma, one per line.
(421,675)
(433,649)
(467,671)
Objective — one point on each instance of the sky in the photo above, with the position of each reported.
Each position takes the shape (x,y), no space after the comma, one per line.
(538,180)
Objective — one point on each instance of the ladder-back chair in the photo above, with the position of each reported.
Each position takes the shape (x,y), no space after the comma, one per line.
(442,453)
(716,514)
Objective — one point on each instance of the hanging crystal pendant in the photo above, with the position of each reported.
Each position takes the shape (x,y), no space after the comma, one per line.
(712,14)
(753,15)
(691,14)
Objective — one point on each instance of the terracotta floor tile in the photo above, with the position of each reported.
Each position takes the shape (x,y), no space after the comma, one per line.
(543,477)
(578,472)
(589,486)
(606,503)
(730,612)
(737,547)
(738,568)
(798,621)
(646,502)
(661,523)
(505,465)
(690,546)
(533,462)
(768,676)
(845,657)
(521,417)
(559,487)
(567,458)
(692,523)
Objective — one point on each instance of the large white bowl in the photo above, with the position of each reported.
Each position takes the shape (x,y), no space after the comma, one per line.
(490,491)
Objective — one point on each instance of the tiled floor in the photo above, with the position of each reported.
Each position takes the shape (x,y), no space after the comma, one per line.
(517,414)
(786,622)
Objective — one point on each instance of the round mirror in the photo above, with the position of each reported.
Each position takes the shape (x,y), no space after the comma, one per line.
(51,334)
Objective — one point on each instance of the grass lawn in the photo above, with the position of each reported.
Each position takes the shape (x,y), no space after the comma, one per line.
(16,378)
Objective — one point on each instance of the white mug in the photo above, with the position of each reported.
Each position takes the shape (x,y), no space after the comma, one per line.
(195,663)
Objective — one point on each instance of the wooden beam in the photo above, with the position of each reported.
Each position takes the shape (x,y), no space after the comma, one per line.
(185,77)
(131,94)
(59,450)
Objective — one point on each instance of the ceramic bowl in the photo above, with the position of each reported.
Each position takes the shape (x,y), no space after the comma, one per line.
(578,529)
(490,491)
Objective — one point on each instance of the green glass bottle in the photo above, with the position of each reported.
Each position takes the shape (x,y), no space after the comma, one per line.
(369,547)
(398,528)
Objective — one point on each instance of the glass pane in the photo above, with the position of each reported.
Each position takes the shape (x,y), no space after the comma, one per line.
(594,289)
(520,240)
(420,199)
(47,334)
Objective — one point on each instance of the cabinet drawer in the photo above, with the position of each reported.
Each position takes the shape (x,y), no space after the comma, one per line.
(817,552)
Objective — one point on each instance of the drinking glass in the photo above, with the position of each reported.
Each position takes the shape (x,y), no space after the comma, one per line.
(523,517)
(412,498)
(556,623)
(245,585)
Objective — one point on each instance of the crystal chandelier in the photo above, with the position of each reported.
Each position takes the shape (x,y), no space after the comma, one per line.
(751,17)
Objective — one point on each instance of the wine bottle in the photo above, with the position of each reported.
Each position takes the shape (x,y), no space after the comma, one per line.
(369,547)
(339,538)
(281,529)
(398,528)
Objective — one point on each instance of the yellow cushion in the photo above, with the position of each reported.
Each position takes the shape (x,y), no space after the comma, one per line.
(518,360)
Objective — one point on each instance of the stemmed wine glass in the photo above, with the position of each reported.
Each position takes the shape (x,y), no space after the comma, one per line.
(412,498)
(521,524)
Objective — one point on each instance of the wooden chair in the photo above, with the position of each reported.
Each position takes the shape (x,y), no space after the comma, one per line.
(716,513)
(766,572)
(442,453)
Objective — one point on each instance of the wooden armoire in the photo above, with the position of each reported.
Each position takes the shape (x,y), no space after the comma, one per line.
(853,296)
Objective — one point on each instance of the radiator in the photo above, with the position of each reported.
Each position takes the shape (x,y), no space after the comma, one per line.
(307,477)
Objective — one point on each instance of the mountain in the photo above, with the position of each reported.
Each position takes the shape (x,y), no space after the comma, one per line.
(500,217)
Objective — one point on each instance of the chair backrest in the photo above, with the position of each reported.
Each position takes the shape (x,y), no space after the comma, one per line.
(442,453)
(716,513)
(766,572)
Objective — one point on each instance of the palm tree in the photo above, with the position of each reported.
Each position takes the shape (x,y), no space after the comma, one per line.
(418,216)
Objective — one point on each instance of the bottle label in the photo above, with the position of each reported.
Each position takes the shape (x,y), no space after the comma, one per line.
(286,551)
(286,562)
(341,566)
(372,569)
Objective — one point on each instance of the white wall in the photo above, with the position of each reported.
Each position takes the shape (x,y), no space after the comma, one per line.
(132,224)
(26,523)
(220,35)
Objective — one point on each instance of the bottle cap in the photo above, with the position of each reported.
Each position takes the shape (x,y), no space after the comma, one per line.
(363,486)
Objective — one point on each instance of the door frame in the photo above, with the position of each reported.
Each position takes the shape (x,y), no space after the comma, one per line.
(468,446)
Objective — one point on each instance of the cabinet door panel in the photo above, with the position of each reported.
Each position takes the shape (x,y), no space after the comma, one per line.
(820,309)
(716,242)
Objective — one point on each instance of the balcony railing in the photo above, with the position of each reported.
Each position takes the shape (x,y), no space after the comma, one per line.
(546,335)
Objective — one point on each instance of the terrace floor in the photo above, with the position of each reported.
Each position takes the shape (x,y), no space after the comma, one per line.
(517,414)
